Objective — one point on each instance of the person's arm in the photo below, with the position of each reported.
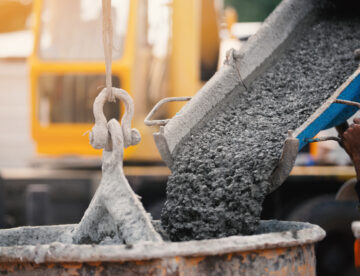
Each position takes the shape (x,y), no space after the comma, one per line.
(351,144)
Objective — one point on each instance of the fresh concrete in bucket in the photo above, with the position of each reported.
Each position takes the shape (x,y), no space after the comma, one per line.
(221,172)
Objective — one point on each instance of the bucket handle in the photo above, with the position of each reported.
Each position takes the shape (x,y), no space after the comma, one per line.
(156,107)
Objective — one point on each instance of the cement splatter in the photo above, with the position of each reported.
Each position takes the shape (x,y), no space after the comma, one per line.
(220,175)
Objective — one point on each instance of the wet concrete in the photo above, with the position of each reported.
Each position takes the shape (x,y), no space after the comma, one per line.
(221,173)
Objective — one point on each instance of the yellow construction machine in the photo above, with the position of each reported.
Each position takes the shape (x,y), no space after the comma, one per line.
(161,49)
(14,14)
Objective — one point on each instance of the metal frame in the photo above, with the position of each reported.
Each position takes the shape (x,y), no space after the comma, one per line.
(162,122)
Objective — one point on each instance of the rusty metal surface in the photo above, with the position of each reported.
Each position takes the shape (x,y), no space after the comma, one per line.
(294,261)
(357,254)
(278,248)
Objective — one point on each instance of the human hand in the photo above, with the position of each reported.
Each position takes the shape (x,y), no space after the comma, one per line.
(351,143)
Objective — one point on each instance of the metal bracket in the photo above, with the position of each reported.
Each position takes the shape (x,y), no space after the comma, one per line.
(334,138)
(322,139)
(347,102)
(286,162)
(163,122)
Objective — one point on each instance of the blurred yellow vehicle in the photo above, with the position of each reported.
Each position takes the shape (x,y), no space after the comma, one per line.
(14,14)
(161,49)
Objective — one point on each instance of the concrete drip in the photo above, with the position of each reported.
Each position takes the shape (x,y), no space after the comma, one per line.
(220,175)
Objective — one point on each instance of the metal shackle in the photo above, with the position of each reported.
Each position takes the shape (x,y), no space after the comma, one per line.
(99,135)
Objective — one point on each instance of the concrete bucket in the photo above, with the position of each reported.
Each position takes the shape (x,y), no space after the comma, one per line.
(278,248)
(356,231)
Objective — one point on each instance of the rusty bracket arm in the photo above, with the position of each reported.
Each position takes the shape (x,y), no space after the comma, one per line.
(347,102)
(162,122)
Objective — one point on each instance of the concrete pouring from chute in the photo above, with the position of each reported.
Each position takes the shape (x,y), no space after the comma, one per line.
(244,66)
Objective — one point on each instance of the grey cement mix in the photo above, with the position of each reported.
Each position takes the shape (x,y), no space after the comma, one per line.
(220,174)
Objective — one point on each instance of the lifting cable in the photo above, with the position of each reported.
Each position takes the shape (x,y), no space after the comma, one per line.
(107,34)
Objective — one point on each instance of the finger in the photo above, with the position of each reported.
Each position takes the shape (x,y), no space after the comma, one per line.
(357,120)
(345,135)
(356,131)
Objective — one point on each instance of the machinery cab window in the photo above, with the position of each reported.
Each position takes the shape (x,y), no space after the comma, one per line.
(69,98)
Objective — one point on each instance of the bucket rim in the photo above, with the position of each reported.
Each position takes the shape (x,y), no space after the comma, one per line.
(290,234)
(355,226)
